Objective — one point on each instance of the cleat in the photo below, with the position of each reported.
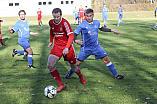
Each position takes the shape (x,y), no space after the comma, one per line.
(13,54)
(154,28)
(82,79)
(67,76)
(61,87)
(31,67)
(120,77)
(3,45)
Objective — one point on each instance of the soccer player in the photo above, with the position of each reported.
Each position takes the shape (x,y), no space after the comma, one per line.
(81,13)
(104,14)
(85,13)
(22,26)
(2,44)
(155,17)
(90,44)
(76,15)
(39,12)
(62,34)
(120,16)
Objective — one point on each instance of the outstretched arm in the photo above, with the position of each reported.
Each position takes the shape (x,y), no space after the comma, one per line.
(80,42)
(104,29)
(11,30)
(33,33)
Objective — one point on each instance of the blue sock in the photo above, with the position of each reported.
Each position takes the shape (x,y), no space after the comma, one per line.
(78,21)
(155,26)
(70,72)
(75,22)
(122,22)
(118,23)
(29,58)
(105,23)
(20,52)
(111,67)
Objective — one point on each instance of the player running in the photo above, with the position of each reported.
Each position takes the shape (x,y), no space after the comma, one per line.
(120,16)
(90,44)
(104,14)
(24,33)
(76,15)
(62,34)
(2,44)
(155,17)
(39,12)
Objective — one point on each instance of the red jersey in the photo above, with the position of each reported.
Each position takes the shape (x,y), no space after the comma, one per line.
(81,12)
(60,33)
(39,13)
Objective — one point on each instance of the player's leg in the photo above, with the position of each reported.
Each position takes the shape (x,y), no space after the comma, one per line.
(21,52)
(118,22)
(30,58)
(99,52)
(52,60)
(2,44)
(155,26)
(78,72)
(111,67)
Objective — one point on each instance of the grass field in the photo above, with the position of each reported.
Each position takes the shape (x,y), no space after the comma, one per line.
(134,53)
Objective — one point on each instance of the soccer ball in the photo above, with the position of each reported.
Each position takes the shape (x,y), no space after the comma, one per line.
(50,91)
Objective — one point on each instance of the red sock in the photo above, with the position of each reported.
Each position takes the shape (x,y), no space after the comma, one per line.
(1,42)
(56,76)
(79,71)
(39,23)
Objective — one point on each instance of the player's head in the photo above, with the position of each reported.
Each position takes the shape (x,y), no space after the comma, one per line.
(57,14)
(86,7)
(104,5)
(22,14)
(120,6)
(89,15)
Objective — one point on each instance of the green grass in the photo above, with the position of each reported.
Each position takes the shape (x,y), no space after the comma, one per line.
(133,54)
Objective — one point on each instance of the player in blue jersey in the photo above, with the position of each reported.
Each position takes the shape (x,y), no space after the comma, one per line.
(104,14)
(76,14)
(90,43)
(24,32)
(120,16)
(155,17)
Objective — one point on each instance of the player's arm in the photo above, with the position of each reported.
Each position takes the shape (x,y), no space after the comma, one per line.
(33,33)
(155,13)
(80,42)
(51,39)
(11,30)
(104,29)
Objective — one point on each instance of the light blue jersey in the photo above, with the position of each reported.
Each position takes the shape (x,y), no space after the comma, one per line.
(76,12)
(156,9)
(23,29)
(89,33)
(104,10)
(120,11)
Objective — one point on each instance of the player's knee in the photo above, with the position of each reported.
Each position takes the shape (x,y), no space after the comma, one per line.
(50,66)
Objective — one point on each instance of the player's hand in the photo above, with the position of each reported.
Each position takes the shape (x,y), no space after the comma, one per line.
(36,34)
(10,28)
(65,51)
(116,32)
(50,45)
(80,42)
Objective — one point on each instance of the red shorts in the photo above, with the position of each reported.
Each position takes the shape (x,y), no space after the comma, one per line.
(39,18)
(81,15)
(70,57)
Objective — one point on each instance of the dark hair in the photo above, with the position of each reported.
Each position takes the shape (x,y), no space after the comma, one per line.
(120,5)
(89,10)
(56,10)
(21,11)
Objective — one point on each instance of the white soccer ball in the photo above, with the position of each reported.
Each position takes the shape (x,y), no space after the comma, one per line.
(50,91)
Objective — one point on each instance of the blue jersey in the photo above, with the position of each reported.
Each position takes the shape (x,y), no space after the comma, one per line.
(120,11)
(76,13)
(104,10)
(89,33)
(23,29)
(156,9)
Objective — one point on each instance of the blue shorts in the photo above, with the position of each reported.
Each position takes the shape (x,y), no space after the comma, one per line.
(104,17)
(77,18)
(120,16)
(24,43)
(84,53)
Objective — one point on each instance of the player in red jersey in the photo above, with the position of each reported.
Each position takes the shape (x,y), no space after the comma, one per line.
(39,12)
(2,44)
(62,34)
(81,13)
(85,13)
